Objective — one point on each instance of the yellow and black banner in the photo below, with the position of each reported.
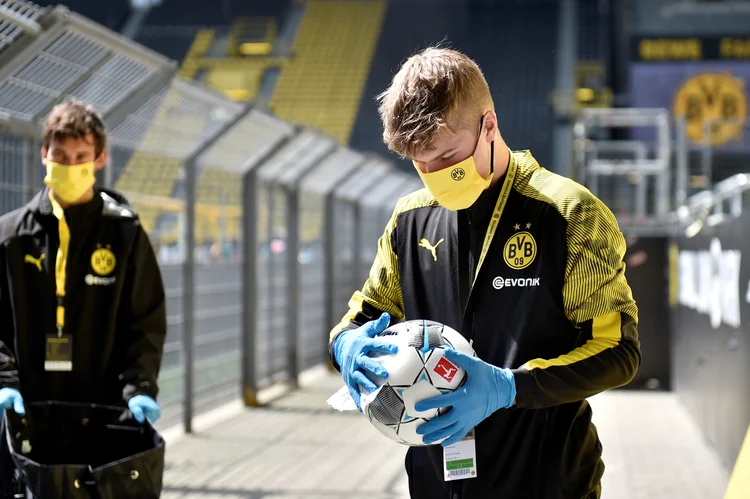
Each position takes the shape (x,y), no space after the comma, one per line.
(690,48)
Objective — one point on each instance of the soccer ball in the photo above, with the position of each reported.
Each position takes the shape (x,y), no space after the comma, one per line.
(417,372)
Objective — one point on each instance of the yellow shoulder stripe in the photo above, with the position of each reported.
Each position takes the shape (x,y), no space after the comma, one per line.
(417,199)
(605,333)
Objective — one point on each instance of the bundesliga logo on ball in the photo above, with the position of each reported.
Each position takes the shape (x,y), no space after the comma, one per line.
(417,372)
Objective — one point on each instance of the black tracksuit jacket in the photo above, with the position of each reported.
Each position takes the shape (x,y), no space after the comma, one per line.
(117,320)
(550,302)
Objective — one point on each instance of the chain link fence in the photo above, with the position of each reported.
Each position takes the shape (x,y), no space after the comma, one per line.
(263,229)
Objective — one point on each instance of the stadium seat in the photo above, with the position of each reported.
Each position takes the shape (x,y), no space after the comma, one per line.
(200,46)
(322,86)
(239,79)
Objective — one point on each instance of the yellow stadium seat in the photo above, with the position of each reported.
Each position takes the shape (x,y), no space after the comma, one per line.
(322,86)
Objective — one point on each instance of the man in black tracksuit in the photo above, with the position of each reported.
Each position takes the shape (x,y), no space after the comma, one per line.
(116,318)
(82,306)
(524,263)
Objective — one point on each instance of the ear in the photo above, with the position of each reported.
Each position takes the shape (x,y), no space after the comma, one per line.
(101,160)
(490,125)
(43,152)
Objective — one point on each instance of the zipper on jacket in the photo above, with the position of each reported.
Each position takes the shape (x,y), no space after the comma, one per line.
(467,268)
(455,491)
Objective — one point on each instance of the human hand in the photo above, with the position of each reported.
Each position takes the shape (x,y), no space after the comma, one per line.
(142,407)
(351,349)
(11,398)
(487,389)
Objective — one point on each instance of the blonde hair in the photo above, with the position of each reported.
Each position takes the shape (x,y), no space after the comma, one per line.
(434,89)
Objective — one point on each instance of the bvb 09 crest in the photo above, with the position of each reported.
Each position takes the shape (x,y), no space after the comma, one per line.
(712,97)
(103,261)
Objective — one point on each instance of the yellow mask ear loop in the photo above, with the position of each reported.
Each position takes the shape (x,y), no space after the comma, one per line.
(60,262)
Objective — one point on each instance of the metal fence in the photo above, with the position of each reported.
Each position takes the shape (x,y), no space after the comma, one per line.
(262,229)
(722,150)
(632,177)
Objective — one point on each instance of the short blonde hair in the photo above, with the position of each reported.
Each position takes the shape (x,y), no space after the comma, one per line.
(435,88)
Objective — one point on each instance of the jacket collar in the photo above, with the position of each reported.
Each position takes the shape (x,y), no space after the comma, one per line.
(42,205)
(481,211)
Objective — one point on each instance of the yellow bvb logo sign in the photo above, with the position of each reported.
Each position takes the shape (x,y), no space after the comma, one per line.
(712,97)
(103,261)
(520,250)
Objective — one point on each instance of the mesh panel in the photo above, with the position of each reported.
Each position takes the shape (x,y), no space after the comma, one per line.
(72,65)
(39,84)
(434,334)
(248,141)
(76,50)
(312,321)
(9,32)
(172,122)
(12,174)
(47,72)
(387,408)
(115,78)
(343,270)
(416,336)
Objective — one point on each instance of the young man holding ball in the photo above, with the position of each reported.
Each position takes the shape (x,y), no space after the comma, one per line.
(530,270)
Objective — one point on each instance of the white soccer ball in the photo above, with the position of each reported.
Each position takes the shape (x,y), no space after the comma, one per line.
(417,372)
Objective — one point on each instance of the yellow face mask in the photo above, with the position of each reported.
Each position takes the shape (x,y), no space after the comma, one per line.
(70,182)
(459,186)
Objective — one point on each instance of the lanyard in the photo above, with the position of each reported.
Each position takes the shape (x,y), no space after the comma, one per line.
(60,263)
(495,220)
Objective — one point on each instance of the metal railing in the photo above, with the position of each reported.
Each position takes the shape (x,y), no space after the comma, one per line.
(650,179)
(263,229)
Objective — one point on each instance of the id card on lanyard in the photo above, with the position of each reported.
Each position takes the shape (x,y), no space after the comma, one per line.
(59,351)
(460,459)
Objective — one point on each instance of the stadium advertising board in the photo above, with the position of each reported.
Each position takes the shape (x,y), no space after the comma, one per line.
(698,79)
(677,48)
(709,298)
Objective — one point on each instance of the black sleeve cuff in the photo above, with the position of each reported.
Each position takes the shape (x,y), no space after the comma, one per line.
(526,386)
(143,388)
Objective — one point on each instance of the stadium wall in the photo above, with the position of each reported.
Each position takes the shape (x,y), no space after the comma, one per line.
(646,260)
(709,298)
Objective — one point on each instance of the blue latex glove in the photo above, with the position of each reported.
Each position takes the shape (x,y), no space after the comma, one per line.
(487,389)
(350,350)
(142,407)
(10,398)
